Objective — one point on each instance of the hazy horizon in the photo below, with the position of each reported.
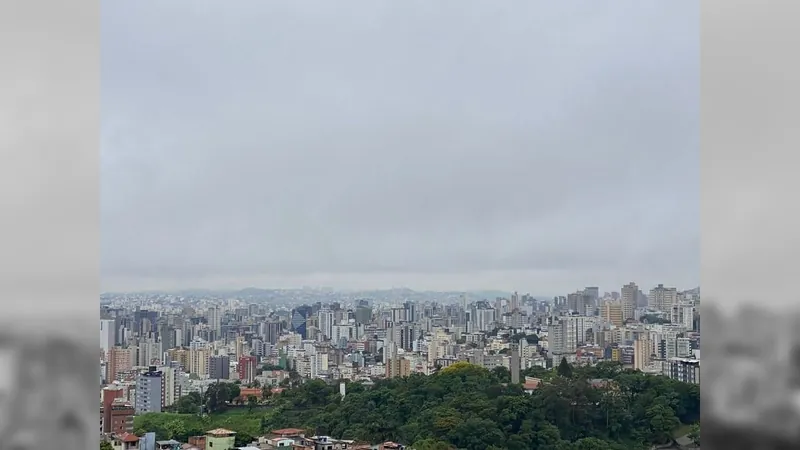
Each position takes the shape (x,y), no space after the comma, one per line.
(539,148)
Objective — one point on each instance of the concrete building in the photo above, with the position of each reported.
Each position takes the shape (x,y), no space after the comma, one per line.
(325,317)
(643,352)
(398,367)
(220,439)
(662,298)
(150,391)
(686,370)
(514,363)
(119,360)
(629,295)
(198,362)
(107,336)
(219,367)
(247,368)
(611,312)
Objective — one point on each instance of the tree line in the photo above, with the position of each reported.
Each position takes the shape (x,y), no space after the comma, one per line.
(469,407)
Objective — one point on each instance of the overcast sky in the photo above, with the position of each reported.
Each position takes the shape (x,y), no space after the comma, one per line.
(535,146)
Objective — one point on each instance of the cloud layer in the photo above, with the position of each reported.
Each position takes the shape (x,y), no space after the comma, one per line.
(460,145)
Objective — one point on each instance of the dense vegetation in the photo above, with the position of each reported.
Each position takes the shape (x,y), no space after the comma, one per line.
(465,406)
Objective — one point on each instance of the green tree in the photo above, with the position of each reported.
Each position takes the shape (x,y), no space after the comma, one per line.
(694,433)
(501,374)
(188,404)
(266,392)
(592,443)
(467,407)
(564,369)
(662,422)
(252,402)
(105,445)
(243,439)
(219,395)
(233,390)
(431,444)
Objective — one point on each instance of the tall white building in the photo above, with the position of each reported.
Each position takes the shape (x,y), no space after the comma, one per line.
(149,353)
(326,323)
(569,332)
(258,347)
(107,336)
(214,316)
(484,318)
(170,385)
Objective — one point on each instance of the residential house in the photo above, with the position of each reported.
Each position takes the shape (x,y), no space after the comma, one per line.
(220,439)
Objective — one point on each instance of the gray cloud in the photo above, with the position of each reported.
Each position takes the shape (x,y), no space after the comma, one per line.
(457,145)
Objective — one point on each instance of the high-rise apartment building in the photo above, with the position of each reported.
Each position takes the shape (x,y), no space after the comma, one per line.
(271,332)
(257,346)
(107,336)
(247,368)
(110,394)
(170,385)
(180,356)
(363,314)
(629,295)
(515,363)
(643,352)
(299,320)
(593,292)
(214,317)
(611,312)
(149,352)
(398,367)
(686,370)
(198,362)
(567,333)
(219,367)
(326,322)
(119,360)
(150,391)
(662,298)
(484,316)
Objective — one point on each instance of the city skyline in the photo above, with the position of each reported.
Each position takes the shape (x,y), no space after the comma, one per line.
(510,155)
(486,292)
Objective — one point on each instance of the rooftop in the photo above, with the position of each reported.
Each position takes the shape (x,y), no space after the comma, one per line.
(220,432)
(289,432)
(128,437)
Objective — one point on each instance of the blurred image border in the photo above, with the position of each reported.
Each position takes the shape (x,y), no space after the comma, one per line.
(50,193)
(749,141)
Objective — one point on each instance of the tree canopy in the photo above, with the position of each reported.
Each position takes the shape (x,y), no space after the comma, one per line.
(468,407)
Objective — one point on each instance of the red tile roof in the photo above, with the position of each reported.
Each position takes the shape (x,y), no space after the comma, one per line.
(128,437)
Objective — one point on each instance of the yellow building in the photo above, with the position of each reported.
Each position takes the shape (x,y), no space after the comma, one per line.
(181,355)
(643,352)
(612,313)
(198,362)
(616,354)
(398,367)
